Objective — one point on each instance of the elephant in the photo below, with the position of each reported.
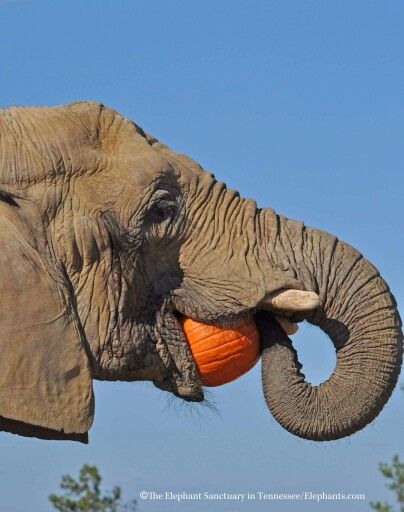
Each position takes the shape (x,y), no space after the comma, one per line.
(108,236)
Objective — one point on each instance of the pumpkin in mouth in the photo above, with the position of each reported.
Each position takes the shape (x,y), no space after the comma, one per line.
(222,354)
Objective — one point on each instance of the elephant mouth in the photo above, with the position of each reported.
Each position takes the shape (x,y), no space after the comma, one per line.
(182,378)
(180,375)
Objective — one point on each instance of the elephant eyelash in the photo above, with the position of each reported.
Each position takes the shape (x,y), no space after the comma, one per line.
(7,198)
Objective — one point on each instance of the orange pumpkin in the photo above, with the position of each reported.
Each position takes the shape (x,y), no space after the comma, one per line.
(222,355)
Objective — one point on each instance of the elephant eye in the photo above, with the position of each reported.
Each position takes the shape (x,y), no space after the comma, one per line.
(161,212)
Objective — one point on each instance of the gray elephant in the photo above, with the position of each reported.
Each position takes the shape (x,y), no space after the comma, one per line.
(107,236)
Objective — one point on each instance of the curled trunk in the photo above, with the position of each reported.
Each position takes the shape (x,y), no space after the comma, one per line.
(360,316)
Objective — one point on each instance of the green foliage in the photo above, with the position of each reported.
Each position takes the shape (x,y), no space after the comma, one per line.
(84,494)
(394,473)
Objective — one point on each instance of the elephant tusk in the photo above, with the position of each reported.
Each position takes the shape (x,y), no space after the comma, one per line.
(292,301)
(289,327)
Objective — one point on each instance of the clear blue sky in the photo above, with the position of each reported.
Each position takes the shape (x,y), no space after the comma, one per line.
(299,105)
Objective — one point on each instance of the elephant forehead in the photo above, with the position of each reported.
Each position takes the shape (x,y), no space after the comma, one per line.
(121,179)
(48,143)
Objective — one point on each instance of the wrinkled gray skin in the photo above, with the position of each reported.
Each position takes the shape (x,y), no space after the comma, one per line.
(134,233)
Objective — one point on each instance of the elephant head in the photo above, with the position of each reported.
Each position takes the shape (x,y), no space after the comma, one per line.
(107,235)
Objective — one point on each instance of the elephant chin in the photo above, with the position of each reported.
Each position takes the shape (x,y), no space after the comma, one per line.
(181,375)
(359,314)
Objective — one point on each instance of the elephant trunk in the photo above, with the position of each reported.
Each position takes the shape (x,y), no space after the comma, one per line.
(357,312)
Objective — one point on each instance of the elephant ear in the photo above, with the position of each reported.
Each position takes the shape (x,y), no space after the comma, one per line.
(45,381)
